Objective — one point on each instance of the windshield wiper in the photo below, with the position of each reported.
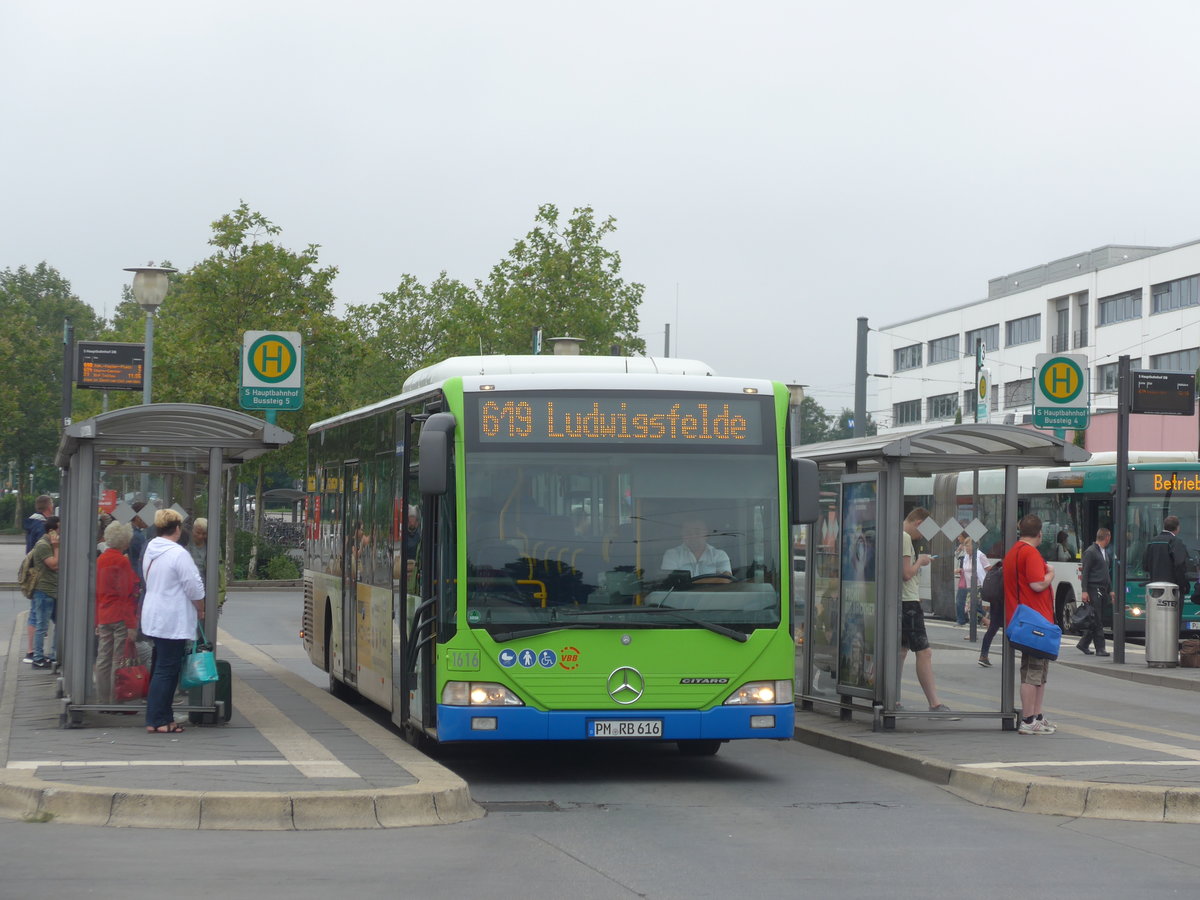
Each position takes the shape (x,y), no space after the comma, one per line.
(733,633)
(502,636)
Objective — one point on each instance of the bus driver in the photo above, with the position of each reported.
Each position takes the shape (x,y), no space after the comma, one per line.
(696,555)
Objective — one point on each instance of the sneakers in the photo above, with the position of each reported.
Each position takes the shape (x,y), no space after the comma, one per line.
(41,664)
(1048,726)
(943,708)
(28,658)
(1037,726)
(985,662)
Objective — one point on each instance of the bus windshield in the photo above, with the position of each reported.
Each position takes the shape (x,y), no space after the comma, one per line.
(575,538)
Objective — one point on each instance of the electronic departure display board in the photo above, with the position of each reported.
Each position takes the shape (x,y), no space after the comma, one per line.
(1163,393)
(516,418)
(109,367)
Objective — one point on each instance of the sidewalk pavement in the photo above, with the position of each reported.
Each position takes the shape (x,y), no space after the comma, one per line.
(291,758)
(1127,745)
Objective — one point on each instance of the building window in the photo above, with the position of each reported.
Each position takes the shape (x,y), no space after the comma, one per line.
(1022,331)
(907,358)
(943,406)
(907,413)
(1120,307)
(1018,393)
(943,349)
(969,403)
(1175,294)
(990,337)
(1106,378)
(1182,361)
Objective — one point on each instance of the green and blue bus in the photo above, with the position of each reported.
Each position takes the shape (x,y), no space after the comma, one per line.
(485,552)
(1072,504)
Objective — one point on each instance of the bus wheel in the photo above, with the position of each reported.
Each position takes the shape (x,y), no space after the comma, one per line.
(698,748)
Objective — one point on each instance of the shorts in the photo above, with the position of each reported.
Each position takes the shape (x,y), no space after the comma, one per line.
(912,626)
(1034,669)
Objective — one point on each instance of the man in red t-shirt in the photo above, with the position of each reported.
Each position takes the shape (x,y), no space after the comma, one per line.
(1027,579)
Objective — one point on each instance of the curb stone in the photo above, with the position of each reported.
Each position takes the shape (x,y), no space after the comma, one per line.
(24,796)
(1004,789)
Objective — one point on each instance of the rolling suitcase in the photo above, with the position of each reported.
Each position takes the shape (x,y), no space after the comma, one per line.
(224,694)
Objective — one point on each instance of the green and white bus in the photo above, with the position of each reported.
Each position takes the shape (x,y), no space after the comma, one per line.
(485,552)
(1072,504)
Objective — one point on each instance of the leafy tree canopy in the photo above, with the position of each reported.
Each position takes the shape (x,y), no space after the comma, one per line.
(559,277)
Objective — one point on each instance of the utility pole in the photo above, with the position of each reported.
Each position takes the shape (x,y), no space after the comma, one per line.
(1120,505)
(860,380)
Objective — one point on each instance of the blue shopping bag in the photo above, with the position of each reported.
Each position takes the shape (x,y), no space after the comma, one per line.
(200,665)
(1030,632)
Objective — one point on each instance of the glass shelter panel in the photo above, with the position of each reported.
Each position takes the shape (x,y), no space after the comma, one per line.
(127,497)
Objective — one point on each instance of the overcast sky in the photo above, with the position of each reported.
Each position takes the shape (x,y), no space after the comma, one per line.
(776,169)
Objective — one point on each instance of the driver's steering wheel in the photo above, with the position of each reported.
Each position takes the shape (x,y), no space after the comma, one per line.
(713,578)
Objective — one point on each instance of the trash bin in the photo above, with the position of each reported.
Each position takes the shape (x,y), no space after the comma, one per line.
(1162,624)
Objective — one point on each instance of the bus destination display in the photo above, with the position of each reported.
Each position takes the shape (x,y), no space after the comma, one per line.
(550,419)
(109,366)
(1166,482)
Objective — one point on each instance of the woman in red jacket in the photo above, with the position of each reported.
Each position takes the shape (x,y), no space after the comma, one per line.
(116,606)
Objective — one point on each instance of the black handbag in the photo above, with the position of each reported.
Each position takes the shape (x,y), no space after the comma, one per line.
(1081,618)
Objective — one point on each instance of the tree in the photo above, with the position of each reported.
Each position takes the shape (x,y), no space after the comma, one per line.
(560,278)
(251,283)
(563,280)
(843,427)
(33,306)
(814,421)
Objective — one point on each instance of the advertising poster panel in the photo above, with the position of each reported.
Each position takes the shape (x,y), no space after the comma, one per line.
(825,570)
(856,636)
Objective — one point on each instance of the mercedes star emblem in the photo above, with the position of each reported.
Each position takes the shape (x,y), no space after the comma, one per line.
(626,685)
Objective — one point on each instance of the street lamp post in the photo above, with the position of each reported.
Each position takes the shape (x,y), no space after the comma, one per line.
(149,289)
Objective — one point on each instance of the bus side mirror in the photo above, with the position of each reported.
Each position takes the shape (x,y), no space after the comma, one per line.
(806,487)
(434,446)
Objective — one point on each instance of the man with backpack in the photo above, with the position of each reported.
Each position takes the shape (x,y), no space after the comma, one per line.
(993,595)
(45,591)
(35,527)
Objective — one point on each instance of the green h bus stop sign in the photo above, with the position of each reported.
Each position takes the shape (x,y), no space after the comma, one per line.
(272,370)
(1061,396)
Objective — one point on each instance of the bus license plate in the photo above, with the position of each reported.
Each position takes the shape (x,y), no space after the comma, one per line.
(625,728)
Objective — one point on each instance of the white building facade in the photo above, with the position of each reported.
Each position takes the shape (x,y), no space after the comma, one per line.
(1143,302)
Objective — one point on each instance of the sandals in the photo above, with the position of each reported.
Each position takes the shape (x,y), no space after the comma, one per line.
(170,728)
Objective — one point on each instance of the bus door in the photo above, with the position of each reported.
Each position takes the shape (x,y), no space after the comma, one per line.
(352,532)
(432,606)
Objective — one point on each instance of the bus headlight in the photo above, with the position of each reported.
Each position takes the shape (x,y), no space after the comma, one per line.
(478,693)
(761,692)
(1135,611)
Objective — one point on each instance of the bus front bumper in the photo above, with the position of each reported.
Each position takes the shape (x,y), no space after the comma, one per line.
(479,723)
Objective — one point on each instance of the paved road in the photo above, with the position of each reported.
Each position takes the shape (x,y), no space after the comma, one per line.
(760,819)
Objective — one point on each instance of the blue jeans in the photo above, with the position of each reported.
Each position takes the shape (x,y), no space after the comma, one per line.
(168,658)
(41,608)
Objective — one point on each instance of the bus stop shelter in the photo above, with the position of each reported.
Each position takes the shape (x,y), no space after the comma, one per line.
(850,654)
(132,462)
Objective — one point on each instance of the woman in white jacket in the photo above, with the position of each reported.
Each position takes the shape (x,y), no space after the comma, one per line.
(174,602)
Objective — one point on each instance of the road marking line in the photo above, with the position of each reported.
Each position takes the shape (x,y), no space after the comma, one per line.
(1082,762)
(133,763)
(303,751)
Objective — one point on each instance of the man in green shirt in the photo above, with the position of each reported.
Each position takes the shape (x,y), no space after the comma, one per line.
(912,618)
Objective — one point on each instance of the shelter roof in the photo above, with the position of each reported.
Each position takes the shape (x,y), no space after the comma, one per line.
(189,426)
(947,448)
